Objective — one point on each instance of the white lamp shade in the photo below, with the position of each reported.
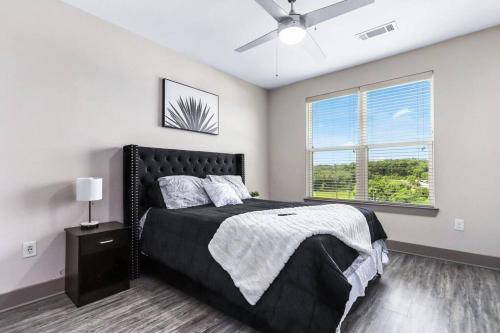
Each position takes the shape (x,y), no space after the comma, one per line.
(88,189)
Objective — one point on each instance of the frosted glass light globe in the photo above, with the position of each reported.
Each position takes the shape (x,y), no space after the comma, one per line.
(292,35)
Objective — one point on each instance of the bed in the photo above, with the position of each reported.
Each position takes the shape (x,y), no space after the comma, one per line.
(309,294)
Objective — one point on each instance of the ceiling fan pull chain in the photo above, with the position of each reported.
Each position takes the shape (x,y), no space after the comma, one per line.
(276,61)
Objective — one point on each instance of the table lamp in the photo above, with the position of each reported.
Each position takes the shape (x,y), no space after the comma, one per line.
(89,189)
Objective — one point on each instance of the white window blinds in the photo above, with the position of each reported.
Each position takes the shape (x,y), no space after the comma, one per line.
(373,143)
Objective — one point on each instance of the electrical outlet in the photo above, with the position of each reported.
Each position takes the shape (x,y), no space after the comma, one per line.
(459,225)
(29,249)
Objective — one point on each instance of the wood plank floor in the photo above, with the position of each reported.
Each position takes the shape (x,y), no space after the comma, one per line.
(415,294)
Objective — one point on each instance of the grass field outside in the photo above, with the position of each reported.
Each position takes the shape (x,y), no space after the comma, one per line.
(346,195)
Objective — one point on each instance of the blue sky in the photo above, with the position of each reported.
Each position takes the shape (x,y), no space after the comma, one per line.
(395,114)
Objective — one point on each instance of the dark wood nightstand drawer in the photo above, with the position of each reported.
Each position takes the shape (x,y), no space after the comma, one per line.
(103,241)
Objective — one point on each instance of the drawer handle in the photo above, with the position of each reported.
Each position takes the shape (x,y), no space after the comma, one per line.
(107,241)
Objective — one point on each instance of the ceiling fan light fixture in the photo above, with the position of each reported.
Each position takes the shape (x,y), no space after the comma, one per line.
(292,35)
(292,25)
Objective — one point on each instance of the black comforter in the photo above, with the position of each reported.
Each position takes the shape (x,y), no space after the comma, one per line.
(310,293)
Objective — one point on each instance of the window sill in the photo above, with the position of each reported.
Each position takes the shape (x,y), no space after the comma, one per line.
(393,208)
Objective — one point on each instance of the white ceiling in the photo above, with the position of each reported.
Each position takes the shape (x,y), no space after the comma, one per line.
(209,31)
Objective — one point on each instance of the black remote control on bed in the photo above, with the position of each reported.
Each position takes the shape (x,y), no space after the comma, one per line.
(286,214)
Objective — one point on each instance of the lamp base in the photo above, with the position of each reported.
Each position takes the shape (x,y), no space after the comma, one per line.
(89,225)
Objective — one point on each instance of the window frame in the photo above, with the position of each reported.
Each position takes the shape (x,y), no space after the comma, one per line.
(362,149)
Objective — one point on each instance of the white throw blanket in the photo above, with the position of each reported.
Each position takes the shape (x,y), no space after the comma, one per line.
(254,247)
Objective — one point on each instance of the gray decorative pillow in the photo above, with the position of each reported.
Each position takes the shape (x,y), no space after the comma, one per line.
(235,182)
(183,191)
(222,194)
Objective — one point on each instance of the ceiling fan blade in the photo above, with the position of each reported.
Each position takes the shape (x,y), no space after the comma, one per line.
(273,9)
(261,40)
(337,9)
(312,47)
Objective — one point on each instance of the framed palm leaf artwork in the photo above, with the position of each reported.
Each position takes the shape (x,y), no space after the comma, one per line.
(190,109)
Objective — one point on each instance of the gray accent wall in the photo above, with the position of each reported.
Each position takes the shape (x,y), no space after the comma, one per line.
(73,90)
(467,139)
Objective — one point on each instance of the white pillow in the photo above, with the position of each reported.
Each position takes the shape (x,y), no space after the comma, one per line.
(221,194)
(183,191)
(235,182)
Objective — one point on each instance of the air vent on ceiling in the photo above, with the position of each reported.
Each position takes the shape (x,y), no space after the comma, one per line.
(388,27)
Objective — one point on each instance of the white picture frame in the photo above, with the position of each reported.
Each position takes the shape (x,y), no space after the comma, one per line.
(190,109)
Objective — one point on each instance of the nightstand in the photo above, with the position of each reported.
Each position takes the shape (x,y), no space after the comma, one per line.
(96,262)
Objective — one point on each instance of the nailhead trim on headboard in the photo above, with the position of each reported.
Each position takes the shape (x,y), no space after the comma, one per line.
(131,204)
(143,165)
(240,161)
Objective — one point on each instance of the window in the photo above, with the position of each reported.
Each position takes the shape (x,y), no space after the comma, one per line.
(373,143)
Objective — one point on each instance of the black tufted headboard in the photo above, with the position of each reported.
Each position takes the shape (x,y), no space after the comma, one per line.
(142,166)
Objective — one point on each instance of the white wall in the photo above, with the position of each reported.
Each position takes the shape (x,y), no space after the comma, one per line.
(73,91)
(467,139)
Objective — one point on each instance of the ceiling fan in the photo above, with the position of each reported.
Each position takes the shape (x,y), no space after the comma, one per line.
(292,27)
